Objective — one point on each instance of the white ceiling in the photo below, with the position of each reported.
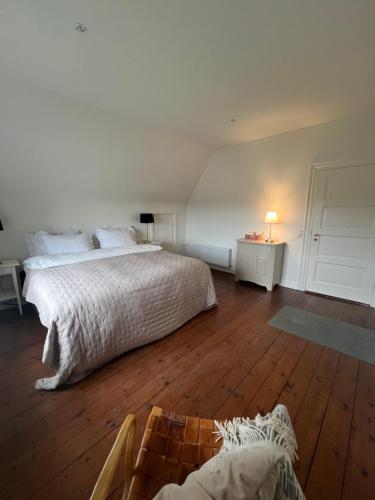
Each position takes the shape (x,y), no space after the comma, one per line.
(189,66)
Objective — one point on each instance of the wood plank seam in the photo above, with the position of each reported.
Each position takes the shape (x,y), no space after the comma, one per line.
(350,434)
(320,429)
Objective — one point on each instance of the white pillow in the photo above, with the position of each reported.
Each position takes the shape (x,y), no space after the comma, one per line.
(35,245)
(111,238)
(58,244)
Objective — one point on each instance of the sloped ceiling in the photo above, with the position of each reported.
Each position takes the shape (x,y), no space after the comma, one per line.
(190,66)
(53,149)
(64,164)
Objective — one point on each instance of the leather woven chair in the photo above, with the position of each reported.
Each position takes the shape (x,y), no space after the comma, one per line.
(171,448)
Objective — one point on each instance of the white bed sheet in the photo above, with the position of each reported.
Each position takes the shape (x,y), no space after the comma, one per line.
(45,261)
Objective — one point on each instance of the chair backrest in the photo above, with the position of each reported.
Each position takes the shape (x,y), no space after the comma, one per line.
(172,447)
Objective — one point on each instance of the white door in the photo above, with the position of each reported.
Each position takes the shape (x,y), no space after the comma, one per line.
(341,258)
(165,231)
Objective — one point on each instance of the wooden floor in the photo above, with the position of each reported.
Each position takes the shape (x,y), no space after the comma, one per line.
(225,362)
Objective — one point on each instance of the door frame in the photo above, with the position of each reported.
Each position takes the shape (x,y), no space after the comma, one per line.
(172,229)
(315,169)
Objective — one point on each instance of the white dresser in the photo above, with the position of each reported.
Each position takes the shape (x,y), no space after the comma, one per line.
(259,262)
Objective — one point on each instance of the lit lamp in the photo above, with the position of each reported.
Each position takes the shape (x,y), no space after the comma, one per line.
(146,219)
(271,218)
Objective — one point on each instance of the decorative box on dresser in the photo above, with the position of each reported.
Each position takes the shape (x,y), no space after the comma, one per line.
(259,262)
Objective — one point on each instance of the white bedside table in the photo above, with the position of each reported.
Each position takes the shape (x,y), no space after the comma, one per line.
(9,266)
(259,262)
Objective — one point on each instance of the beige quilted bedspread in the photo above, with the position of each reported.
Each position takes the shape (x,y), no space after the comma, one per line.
(97,310)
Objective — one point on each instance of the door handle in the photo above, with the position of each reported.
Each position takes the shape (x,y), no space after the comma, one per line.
(316,236)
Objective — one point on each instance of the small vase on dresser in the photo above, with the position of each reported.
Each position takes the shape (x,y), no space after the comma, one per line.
(259,262)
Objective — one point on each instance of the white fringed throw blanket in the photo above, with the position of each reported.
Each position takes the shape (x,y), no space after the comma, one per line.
(255,463)
(274,431)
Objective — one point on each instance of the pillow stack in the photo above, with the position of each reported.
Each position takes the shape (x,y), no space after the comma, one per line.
(60,244)
(70,241)
(116,237)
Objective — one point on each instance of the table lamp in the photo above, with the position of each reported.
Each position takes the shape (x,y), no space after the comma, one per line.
(271,218)
(146,219)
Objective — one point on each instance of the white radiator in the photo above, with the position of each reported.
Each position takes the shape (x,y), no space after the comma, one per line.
(217,256)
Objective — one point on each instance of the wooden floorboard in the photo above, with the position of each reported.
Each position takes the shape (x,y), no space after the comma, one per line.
(359,481)
(332,445)
(225,362)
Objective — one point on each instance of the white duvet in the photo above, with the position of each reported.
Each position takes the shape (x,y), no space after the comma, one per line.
(99,307)
(44,261)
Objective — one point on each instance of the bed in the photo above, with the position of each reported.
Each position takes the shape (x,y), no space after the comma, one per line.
(98,305)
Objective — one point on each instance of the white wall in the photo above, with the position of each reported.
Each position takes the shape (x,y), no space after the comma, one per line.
(63,164)
(242,182)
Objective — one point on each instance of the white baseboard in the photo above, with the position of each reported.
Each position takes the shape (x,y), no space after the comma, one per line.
(290,284)
(224,269)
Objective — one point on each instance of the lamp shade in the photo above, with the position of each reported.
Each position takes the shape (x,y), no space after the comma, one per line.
(146,218)
(1,226)
(272,218)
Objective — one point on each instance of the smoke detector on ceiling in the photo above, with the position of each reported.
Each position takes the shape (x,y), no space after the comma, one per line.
(82,28)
